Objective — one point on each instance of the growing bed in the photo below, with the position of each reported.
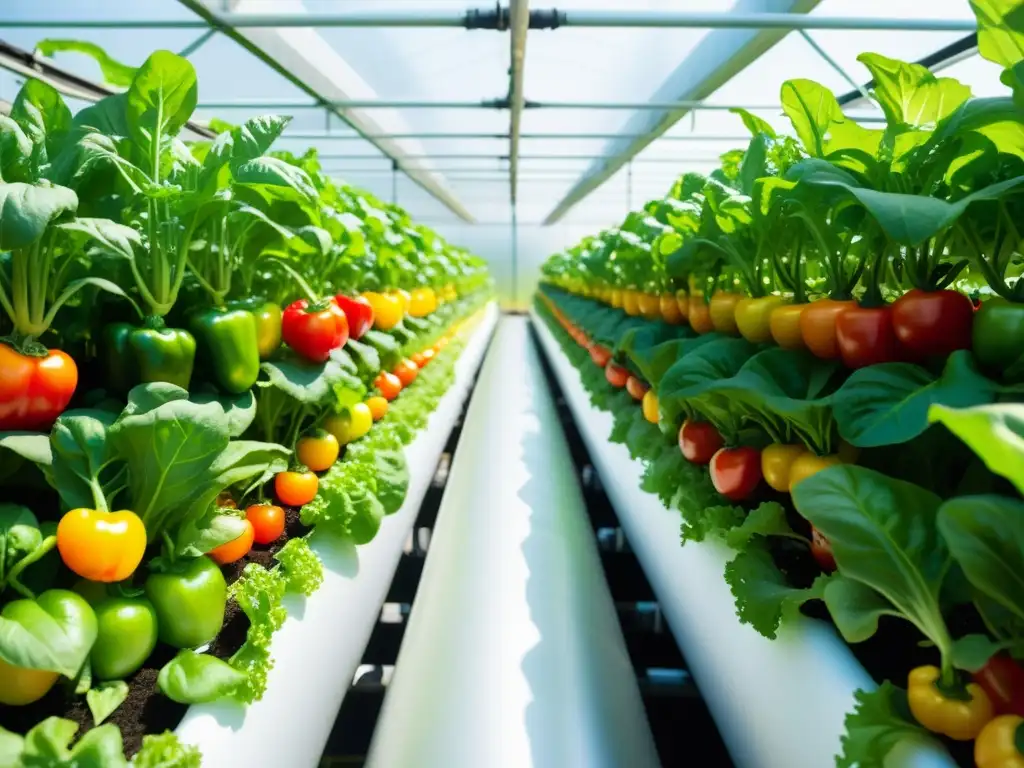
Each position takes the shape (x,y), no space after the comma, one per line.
(321,643)
(777,704)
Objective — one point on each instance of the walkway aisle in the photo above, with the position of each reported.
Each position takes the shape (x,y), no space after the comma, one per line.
(513,654)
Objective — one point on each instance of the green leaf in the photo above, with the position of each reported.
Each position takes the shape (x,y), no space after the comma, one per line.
(274,180)
(165,751)
(258,593)
(115,239)
(11,747)
(889,404)
(883,534)
(753,123)
(855,608)
(880,720)
(54,632)
(114,72)
(161,99)
(1000,35)
(811,109)
(46,746)
(104,698)
(41,112)
(910,94)
(766,519)
(32,446)
(240,410)
(972,652)
(308,382)
(994,432)
(20,537)
(986,538)
(303,570)
(81,470)
(253,138)
(26,210)
(197,678)
(391,472)
(763,597)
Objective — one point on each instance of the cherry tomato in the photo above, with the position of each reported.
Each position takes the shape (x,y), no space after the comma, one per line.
(777,462)
(422,359)
(267,522)
(818,326)
(600,355)
(351,424)
(699,441)
(319,450)
(296,488)
(753,317)
(34,391)
(736,472)
(617,375)
(358,312)
(631,302)
(671,311)
(650,406)
(101,546)
(389,385)
(785,326)
(650,305)
(387,310)
(1002,678)
(234,550)
(441,344)
(821,549)
(683,302)
(723,311)
(700,315)
(865,336)
(636,388)
(406,371)
(809,464)
(313,330)
(422,301)
(615,298)
(931,323)
(378,407)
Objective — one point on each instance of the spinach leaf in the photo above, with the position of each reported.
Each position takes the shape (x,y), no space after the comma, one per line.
(48,745)
(884,535)
(889,404)
(54,632)
(994,432)
(855,608)
(310,383)
(32,446)
(197,678)
(85,469)
(105,698)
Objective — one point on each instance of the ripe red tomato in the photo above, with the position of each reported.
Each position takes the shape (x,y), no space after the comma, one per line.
(600,355)
(358,312)
(821,548)
(865,336)
(636,388)
(388,385)
(616,375)
(406,371)
(931,323)
(699,440)
(313,330)
(736,472)
(267,522)
(34,391)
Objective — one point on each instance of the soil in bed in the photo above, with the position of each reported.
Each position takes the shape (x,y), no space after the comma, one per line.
(146,711)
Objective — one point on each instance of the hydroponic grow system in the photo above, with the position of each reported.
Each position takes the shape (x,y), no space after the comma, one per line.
(343,326)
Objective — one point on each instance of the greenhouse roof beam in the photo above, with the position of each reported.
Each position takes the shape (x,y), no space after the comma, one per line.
(519,23)
(300,56)
(315,135)
(497,19)
(712,62)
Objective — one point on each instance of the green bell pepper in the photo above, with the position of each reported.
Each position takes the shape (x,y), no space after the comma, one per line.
(228,346)
(189,598)
(268,323)
(141,355)
(998,334)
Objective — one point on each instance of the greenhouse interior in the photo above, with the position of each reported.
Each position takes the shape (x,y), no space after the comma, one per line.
(461,384)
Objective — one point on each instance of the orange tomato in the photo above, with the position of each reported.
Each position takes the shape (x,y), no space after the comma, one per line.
(650,305)
(631,302)
(378,407)
(808,464)
(101,546)
(406,371)
(784,324)
(818,326)
(318,451)
(700,315)
(266,521)
(636,388)
(683,302)
(234,550)
(671,312)
(296,488)
(723,311)
(389,385)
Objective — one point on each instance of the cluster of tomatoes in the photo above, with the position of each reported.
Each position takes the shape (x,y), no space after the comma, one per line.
(316,451)
(736,471)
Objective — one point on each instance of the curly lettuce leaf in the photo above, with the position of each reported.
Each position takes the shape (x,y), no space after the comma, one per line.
(303,571)
(259,593)
(165,751)
(766,519)
(880,720)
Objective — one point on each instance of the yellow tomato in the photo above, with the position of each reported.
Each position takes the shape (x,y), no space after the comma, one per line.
(723,311)
(785,326)
(649,405)
(670,310)
(631,302)
(378,407)
(683,302)
(650,305)
(101,546)
(422,302)
(403,298)
(700,315)
(387,310)
(808,464)
(319,450)
(754,315)
(616,298)
(777,464)
(20,686)
(351,424)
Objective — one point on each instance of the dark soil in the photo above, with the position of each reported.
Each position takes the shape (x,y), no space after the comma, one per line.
(146,711)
